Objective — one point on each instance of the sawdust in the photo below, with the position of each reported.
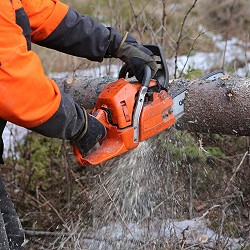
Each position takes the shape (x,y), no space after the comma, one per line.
(138,186)
(134,186)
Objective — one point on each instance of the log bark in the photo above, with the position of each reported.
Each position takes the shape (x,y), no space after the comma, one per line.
(221,106)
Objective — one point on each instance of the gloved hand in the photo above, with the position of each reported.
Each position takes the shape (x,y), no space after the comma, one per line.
(92,133)
(136,57)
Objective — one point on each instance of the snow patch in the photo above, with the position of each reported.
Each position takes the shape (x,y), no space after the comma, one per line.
(192,232)
(12,136)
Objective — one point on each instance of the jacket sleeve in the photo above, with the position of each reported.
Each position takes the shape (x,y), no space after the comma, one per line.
(82,36)
(56,26)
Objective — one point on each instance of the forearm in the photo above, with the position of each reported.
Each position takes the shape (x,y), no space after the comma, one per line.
(66,123)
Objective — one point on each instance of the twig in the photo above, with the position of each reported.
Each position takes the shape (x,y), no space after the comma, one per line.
(222,224)
(180,36)
(208,211)
(33,233)
(248,149)
(190,191)
(183,240)
(59,216)
(246,57)
(228,29)
(156,207)
(191,49)
(164,14)
(235,172)
(136,20)
(192,246)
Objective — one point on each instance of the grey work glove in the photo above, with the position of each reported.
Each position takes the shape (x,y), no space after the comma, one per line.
(93,132)
(136,57)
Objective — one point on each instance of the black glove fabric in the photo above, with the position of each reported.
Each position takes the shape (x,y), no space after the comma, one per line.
(136,57)
(93,132)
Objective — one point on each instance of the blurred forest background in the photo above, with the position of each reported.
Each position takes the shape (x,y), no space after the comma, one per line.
(204,173)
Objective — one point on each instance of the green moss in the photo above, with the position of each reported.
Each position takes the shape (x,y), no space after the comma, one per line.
(41,156)
(191,73)
(215,152)
(184,148)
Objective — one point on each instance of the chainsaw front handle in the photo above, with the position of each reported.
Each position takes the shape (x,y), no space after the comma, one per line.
(162,74)
(146,78)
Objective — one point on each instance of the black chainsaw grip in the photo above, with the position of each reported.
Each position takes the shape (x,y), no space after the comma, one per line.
(162,74)
(146,78)
(123,71)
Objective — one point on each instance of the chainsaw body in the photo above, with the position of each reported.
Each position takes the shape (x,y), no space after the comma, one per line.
(131,112)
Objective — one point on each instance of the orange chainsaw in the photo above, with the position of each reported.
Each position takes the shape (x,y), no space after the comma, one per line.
(133,112)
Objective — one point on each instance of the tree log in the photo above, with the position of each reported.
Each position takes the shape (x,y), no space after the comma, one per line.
(220,106)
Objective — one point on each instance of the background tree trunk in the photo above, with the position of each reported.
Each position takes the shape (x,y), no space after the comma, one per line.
(221,106)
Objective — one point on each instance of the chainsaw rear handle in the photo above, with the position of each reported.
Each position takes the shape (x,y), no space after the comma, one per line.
(162,74)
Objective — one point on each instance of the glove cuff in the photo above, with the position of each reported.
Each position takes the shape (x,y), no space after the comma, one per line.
(116,41)
(80,135)
(95,131)
(123,40)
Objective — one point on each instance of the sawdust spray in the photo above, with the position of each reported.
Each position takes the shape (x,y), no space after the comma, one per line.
(135,188)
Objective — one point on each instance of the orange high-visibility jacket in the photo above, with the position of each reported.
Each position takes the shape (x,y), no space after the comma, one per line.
(27,97)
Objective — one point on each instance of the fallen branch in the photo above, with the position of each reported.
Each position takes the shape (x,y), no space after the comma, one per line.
(235,172)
